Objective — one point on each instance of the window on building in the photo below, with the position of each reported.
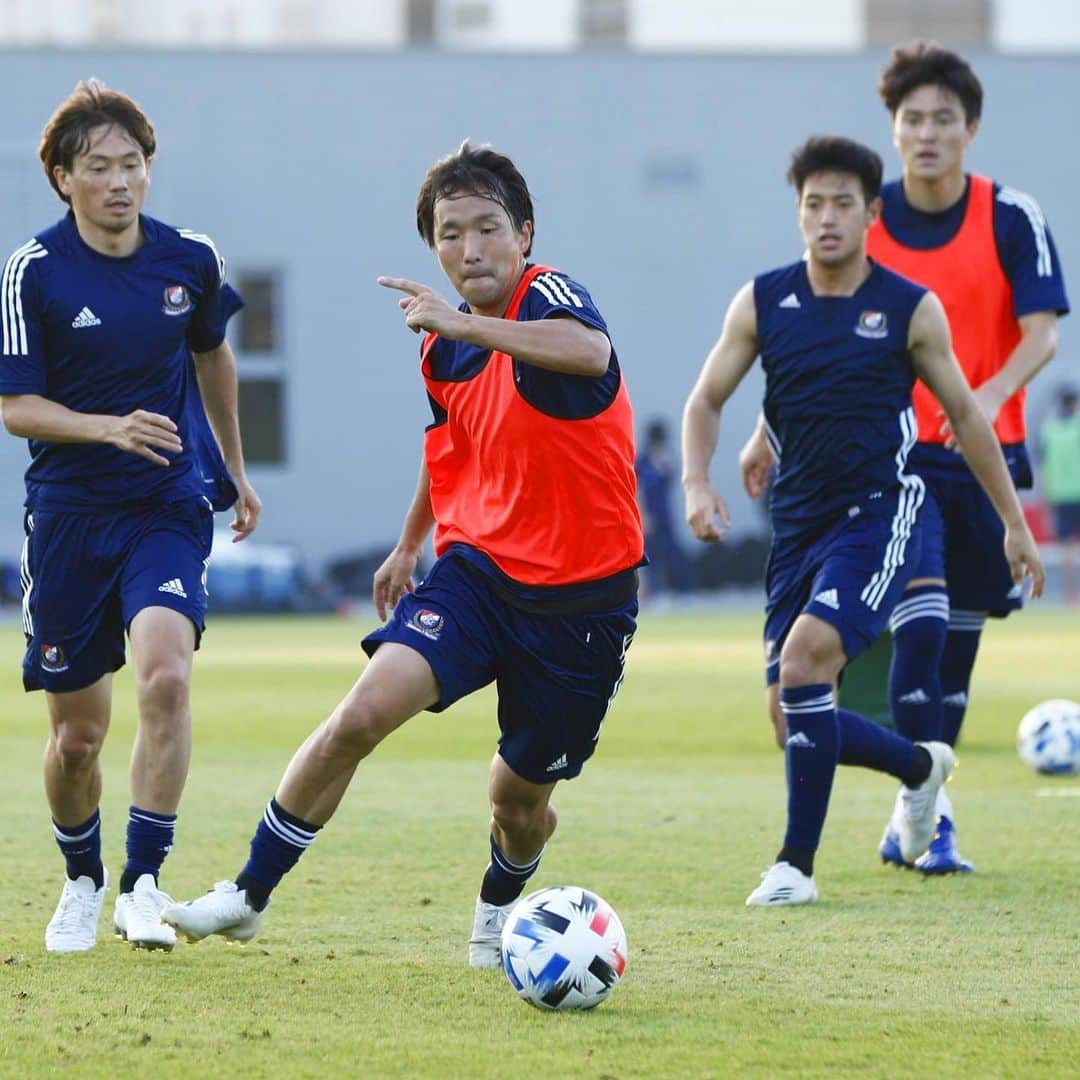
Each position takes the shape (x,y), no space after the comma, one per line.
(258,343)
(604,22)
(258,319)
(956,22)
(262,420)
(470,15)
(420,22)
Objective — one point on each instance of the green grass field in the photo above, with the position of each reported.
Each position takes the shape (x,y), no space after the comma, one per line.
(361,969)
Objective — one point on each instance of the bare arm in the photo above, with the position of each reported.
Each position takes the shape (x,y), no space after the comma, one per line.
(216,372)
(755,460)
(1034,350)
(394,577)
(30,416)
(930,348)
(727,363)
(561,343)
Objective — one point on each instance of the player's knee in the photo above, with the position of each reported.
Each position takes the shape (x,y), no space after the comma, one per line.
(165,691)
(809,659)
(799,667)
(76,747)
(356,727)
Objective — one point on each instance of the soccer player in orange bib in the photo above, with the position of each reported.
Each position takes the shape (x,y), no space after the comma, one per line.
(528,481)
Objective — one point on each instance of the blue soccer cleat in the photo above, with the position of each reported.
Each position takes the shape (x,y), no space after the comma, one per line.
(943,857)
(889,849)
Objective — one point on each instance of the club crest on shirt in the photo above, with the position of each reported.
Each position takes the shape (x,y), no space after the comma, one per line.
(177,300)
(53,659)
(872,324)
(427,622)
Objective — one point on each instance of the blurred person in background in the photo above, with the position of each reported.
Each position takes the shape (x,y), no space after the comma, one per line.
(656,470)
(1059,447)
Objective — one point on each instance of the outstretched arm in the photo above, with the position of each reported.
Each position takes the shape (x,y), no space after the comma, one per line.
(727,363)
(560,343)
(930,348)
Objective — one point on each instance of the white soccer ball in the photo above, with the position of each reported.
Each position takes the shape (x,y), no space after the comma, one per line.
(563,948)
(1049,737)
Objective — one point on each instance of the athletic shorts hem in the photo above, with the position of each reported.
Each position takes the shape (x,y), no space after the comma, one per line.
(64,682)
(384,635)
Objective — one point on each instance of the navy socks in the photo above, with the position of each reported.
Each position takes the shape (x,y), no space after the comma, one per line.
(505,880)
(149,840)
(919,624)
(81,847)
(279,841)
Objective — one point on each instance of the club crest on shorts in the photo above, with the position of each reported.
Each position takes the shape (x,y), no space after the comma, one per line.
(427,622)
(872,324)
(53,659)
(177,300)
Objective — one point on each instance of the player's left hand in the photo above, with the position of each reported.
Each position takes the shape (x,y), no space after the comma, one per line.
(424,308)
(706,513)
(246,510)
(1024,560)
(989,401)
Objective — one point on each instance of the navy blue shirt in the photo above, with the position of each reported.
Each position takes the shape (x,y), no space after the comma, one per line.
(838,383)
(109,335)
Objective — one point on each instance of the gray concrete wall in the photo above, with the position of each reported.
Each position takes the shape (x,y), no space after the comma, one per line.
(658,182)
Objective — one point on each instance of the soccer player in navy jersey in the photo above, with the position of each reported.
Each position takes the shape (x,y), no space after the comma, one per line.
(986,251)
(528,481)
(841,341)
(113,342)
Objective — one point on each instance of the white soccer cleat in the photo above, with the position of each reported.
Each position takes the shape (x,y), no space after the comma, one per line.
(137,916)
(225,911)
(781,884)
(73,927)
(485,945)
(917,818)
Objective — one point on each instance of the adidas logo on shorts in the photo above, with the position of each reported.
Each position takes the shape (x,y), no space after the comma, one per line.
(829,598)
(175,586)
(558,763)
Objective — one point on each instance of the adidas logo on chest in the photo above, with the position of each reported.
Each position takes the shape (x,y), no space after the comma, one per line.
(84,319)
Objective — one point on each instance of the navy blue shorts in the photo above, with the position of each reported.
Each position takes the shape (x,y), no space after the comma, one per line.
(1066,520)
(86,576)
(964,543)
(556,675)
(850,575)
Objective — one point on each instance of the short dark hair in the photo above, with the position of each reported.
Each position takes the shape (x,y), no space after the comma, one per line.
(835,153)
(90,105)
(926,63)
(474,170)
(656,433)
